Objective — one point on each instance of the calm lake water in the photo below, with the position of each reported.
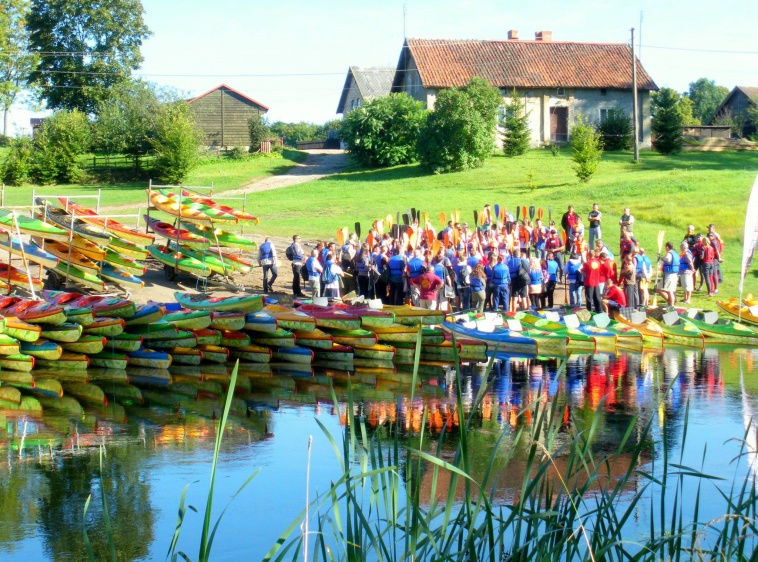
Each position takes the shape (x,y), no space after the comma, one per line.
(50,464)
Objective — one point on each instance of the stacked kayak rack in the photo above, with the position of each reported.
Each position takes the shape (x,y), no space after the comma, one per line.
(200,239)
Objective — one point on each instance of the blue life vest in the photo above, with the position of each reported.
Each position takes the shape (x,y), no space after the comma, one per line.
(573,268)
(552,269)
(309,265)
(514,264)
(397,266)
(414,267)
(686,265)
(477,284)
(266,251)
(439,270)
(472,262)
(500,275)
(363,266)
(673,267)
(535,277)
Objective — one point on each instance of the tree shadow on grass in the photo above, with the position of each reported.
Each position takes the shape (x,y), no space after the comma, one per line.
(380,174)
(726,160)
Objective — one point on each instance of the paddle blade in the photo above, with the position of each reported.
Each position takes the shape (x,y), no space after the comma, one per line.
(518,213)
(406,219)
(413,213)
(457,215)
(370,240)
(436,247)
(388,221)
(523,211)
(549,213)
(443,218)
(540,213)
(446,240)
(430,237)
(456,237)
(497,211)
(405,240)
(397,217)
(531,212)
(503,210)
(340,237)
(476,217)
(661,234)
(425,217)
(358,230)
(379,227)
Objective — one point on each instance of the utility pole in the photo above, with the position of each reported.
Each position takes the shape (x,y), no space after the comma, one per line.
(635,111)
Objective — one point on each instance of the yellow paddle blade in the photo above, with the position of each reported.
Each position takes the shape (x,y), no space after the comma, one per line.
(425,217)
(458,215)
(340,236)
(388,221)
(661,235)
(436,247)
(379,226)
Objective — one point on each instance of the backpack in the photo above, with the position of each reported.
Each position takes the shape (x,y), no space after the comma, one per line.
(463,274)
(290,252)
(523,272)
(327,276)
(304,272)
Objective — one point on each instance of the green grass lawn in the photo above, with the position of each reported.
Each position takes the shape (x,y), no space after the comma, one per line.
(664,193)
(223,173)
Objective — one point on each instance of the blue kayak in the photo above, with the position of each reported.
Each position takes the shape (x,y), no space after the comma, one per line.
(294,354)
(145,314)
(149,358)
(261,322)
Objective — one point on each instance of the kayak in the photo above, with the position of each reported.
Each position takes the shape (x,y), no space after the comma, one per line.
(501,337)
(413,315)
(9,345)
(193,212)
(327,317)
(336,352)
(63,219)
(84,278)
(145,314)
(185,355)
(279,338)
(19,362)
(34,312)
(155,330)
(213,213)
(32,252)
(353,337)
(42,349)
(315,339)
(47,387)
(23,331)
(369,316)
(109,360)
(215,263)
(124,342)
(291,319)
(202,200)
(189,319)
(260,322)
(121,278)
(183,237)
(149,358)
(87,343)
(31,226)
(220,237)
(241,303)
(112,307)
(208,336)
(679,332)
(86,392)
(652,334)
(605,340)
(735,309)
(68,254)
(228,320)
(578,340)
(252,352)
(9,396)
(179,260)
(17,278)
(104,326)
(376,351)
(64,333)
(125,248)
(124,263)
(66,362)
(216,353)
(235,260)
(301,355)
(183,338)
(122,392)
(110,225)
(231,339)
(723,331)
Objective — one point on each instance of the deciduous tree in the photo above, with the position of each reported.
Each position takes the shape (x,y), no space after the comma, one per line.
(587,148)
(86,49)
(383,131)
(706,97)
(176,143)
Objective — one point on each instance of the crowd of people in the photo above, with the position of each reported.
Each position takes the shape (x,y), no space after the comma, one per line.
(502,263)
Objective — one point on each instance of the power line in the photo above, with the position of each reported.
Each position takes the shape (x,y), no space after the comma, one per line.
(725,52)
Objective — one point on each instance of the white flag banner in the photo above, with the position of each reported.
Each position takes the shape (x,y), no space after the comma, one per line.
(751,232)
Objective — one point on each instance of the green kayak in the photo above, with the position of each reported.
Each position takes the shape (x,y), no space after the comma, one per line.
(33,227)
(225,238)
(180,260)
(217,264)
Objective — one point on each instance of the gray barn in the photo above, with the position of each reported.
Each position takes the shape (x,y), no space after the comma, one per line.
(222,114)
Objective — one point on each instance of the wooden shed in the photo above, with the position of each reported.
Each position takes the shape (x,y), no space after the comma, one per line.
(222,114)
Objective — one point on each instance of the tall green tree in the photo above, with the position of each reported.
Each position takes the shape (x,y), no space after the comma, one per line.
(666,121)
(587,148)
(86,48)
(516,125)
(176,143)
(16,61)
(383,131)
(616,130)
(706,98)
(58,146)
(460,133)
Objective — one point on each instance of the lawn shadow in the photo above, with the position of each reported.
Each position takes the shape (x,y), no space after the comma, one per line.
(380,174)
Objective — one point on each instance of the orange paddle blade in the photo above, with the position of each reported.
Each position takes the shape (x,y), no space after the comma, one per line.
(523,211)
(443,218)
(456,237)
(540,212)
(436,247)
(370,240)
(430,237)
(414,239)
(483,216)
(341,236)
(446,240)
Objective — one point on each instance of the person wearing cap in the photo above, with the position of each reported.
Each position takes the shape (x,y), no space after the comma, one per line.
(554,244)
(670,274)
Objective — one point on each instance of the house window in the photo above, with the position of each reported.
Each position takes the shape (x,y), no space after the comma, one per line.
(358,103)
(560,92)
(603,91)
(604,114)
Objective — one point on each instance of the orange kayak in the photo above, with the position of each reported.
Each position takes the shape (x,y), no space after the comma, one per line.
(114,227)
(208,202)
(61,251)
(16,277)
(163,203)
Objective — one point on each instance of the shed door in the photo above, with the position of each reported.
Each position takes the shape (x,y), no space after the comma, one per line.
(558,124)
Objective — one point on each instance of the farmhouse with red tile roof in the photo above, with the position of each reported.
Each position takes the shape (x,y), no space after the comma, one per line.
(558,80)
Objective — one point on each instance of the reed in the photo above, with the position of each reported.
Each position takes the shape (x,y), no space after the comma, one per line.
(581,511)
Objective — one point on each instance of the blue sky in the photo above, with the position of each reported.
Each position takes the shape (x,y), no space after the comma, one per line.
(293,55)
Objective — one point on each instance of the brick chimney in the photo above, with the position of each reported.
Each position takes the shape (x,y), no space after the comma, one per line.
(513,34)
(545,36)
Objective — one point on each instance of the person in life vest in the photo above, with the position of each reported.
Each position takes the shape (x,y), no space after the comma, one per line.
(415,268)
(332,287)
(644,274)
(267,260)
(568,222)
(626,221)
(573,275)
(686,271)
(539,237)
(314,268)
(396,266)
(555,245)
(670,274)
(501,280)
(524,237)
(297,263)
(477,280)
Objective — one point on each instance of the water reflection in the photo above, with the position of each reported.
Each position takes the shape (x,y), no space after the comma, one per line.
(51,464)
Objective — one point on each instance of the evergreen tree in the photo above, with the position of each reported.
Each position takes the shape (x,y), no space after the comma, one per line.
(666,121)
(516,125)
(587,146)
(616,130)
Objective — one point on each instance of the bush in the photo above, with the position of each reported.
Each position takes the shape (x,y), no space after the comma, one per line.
(18,163)
(616,130)
(5,140)
(236,153)
(258,130)
(460,133)
(383,131)
(586,145)
(58,146)
(516,125)
(175,144)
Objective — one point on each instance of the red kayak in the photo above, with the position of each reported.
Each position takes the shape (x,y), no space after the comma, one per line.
(116,228)
(100,305)
(208,202)
(183,237)
(35,312)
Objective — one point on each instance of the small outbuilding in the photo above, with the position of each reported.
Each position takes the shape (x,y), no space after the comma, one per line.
(364,83)
(735,107)
(222,115)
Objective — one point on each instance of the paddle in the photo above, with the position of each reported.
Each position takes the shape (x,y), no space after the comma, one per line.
(397,218)
(503,212)
(458,216)
(379,226)
(414,215)
(497,211)
(549,213)
(476,218)
(531,213)
(406,219)
(523,211)
(540,213)
(340,237)
(425,218)
(518,212)
(358,230)
(370,240)
(443,218)
(661,234)
(388,221)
